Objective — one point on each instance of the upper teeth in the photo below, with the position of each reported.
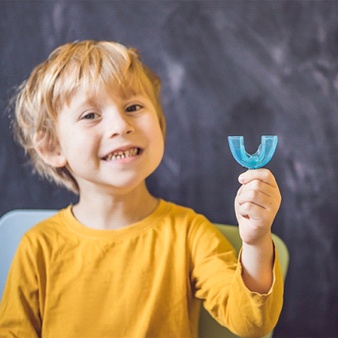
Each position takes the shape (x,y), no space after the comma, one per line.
(122,154)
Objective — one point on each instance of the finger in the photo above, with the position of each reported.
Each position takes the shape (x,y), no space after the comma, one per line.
(255,197)
(262,211)
(262,174)
(251,211)
(260,186)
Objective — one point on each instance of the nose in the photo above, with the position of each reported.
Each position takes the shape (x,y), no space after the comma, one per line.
(119,124)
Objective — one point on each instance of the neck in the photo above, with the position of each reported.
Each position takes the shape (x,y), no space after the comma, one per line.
(106,211)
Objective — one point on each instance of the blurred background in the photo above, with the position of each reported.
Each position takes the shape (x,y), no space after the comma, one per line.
(228,68)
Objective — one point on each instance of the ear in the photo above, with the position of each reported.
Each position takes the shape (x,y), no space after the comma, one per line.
(50,153)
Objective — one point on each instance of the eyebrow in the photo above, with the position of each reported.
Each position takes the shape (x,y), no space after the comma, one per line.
(78,106)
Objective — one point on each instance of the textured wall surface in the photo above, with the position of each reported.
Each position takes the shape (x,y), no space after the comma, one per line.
(228,67)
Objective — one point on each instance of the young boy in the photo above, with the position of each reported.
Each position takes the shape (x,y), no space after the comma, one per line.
(121,262)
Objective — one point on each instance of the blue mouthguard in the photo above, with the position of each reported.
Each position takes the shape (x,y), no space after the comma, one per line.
(260,158)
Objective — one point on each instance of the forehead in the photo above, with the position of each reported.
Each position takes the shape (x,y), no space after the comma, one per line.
(92,85)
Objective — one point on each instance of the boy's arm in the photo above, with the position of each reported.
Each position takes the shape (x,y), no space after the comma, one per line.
(218,281)
(19,306)
(256,206)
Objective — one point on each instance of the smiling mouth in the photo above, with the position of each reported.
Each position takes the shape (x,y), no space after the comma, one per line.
(119,154)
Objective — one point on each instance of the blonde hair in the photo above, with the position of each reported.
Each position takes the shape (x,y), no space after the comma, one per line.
(87,64)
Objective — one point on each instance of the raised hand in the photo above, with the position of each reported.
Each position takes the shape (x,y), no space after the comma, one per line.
(256,204)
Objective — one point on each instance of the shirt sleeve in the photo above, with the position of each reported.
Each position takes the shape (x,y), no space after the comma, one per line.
(19,307)
(217,279)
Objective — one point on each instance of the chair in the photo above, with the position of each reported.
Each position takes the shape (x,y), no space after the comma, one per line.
(15,223)
(12,226)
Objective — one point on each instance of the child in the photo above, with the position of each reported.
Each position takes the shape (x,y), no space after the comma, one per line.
(121,262)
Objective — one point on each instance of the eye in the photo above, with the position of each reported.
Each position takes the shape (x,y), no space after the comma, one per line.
(89,116)
(133,108)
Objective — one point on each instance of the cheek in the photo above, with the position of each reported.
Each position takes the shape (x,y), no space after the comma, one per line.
(158,138)
(74,143)
(156,132)
(154,135)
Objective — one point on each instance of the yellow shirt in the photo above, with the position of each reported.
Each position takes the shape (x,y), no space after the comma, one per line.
(144,280)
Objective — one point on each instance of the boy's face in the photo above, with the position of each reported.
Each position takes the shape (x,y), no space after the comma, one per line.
(110,142)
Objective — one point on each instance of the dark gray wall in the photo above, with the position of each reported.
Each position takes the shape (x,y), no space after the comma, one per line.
(228,67)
